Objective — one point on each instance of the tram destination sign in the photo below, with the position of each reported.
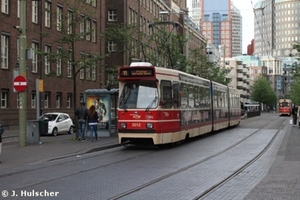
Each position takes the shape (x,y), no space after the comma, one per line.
(136,72)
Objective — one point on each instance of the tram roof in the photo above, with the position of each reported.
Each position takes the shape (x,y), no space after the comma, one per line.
(101,91)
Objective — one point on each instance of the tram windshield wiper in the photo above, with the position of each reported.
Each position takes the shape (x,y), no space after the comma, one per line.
(151,103)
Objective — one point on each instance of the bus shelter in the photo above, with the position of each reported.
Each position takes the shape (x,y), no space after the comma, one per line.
(106,102)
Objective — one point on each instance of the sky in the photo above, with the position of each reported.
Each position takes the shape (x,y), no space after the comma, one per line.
(246,9)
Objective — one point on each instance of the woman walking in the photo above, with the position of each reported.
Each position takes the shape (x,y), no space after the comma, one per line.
(93,122)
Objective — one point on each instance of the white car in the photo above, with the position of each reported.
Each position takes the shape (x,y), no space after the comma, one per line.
(58,123)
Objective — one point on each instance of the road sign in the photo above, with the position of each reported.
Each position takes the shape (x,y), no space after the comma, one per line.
(20,83)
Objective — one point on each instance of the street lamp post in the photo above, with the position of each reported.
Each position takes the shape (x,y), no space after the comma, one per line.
(22,66)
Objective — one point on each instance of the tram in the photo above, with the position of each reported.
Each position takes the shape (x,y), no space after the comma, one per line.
(285,107)
(161,106)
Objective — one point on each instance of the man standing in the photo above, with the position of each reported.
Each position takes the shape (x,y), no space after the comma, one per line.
(81,114)
(294,114)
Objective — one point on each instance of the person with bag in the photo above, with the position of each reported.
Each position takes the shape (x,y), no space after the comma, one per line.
(294,114)
(81,114)
(1,132)
(93,120)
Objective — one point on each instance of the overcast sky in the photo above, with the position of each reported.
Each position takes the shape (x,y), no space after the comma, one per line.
(246,9)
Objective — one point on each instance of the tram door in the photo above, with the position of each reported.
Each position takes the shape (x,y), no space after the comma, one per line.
(106,106)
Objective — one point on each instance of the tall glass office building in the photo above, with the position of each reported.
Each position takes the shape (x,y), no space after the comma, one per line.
(276,27)
(221,24)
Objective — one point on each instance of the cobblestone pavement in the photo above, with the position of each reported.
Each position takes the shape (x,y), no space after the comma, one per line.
(48,147)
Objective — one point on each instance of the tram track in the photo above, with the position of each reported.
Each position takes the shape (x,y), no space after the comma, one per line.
(215,186)
(133,190)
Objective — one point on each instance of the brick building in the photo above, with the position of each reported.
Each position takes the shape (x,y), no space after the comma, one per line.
(44,17)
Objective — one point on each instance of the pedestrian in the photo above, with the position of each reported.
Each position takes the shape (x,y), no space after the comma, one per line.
(1,132)
(82,114)
(93,119)
(294,114)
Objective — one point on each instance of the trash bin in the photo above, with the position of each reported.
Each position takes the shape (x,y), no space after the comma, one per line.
(43,127)
(33,135)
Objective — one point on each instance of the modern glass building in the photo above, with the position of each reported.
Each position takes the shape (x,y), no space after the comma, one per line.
(221,24)
(277,27)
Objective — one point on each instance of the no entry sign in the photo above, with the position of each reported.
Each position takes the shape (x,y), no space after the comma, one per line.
(20,83)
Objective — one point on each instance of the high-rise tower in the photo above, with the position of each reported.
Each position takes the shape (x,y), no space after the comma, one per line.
(221,24)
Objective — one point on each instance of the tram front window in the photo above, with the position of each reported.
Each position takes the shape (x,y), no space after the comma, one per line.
(139,95)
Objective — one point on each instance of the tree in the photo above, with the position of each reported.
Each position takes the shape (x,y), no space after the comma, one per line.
(262,92)
(295,86)
(70,40)
(163,47)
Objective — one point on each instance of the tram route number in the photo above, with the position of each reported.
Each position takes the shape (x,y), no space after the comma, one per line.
(136,125)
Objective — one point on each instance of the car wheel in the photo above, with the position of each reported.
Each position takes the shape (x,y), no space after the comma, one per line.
(71,130)
(55,132)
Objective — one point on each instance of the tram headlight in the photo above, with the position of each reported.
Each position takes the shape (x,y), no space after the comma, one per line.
(123,125)
(149,125)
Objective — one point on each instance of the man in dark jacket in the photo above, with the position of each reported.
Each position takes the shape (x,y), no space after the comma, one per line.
(1,132)
(81,114)
(294,114)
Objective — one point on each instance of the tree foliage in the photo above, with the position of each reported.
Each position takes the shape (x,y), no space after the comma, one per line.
(163,46)
(262,92)
(295,86)
(70,38)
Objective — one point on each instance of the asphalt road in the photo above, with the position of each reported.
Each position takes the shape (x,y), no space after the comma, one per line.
(181,172)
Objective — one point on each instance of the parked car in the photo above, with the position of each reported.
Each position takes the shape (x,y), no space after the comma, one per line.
(58,123)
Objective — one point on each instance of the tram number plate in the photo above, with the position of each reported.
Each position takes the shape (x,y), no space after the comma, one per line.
(138,125)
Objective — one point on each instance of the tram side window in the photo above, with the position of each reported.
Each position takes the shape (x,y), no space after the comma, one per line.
(204,97)
(197,96)
(176,100)
(191,97)
(184,95)
(166,94)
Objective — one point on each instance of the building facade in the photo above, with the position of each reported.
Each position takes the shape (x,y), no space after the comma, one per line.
(276,27)
(45,23)
(221,23)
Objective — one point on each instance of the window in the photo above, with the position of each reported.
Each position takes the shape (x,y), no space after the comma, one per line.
(81,27)
(176,96)
(33,100)
(69,66)
(88,73)
(94,2)
(166,94)
(111,46)
(46,100)
(59,11)
(81,65)
(47,59)
(4,98)
(88,29)
(5,6)
(58,61)
(69,101)
(34,57)
(94,31)
(112,15)
(58,100)
(47,13)
(18,9)
(34,11)
(93,72)
(4,51)
(70,19)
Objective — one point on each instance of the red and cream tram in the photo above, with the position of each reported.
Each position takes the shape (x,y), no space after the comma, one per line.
(161,106)
(285,107)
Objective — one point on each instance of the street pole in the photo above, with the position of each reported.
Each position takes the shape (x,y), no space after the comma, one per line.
(22,95)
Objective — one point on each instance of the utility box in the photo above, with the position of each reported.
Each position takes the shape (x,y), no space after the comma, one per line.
(33,132)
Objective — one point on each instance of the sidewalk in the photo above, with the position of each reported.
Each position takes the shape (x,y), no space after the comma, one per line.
(49,148)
